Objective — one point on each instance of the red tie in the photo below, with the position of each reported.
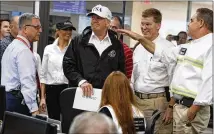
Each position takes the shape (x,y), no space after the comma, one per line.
(37,75)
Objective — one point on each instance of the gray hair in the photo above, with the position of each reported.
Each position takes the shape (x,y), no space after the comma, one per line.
(92,122)
(26,18)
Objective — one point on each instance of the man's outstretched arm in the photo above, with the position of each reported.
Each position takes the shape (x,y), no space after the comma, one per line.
(147,44)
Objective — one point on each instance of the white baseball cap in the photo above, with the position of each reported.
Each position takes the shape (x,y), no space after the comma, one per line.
(101,11)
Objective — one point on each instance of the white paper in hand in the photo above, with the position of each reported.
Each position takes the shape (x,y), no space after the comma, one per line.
(87,103)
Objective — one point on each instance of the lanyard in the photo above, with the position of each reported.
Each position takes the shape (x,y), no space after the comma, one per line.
(37,76)
(18,38)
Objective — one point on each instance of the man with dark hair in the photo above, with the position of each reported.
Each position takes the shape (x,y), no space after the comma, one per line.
(14,28)
(169,37)
(116,23)
(191,67)
(4,28)
(182,38)
(94,54)
(149,77)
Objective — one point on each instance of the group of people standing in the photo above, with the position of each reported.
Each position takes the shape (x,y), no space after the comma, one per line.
(175,80)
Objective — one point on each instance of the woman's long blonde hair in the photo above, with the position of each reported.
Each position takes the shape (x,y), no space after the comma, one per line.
(117,92)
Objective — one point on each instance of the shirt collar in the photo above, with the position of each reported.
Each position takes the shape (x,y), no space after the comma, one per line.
(210,35)
(93,36)
(55,43)
(22,37)
(156,39)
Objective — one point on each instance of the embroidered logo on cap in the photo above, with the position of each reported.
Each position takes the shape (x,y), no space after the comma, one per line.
(67,23)
(99,9)
(112,53)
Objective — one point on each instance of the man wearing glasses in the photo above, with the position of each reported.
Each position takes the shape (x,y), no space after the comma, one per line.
(19,67)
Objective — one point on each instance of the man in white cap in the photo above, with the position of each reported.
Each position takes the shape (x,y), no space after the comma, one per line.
(94,54)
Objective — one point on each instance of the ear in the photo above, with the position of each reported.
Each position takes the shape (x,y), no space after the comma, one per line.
(11,26)
(108,23)
(201,23)
(24,29)
(158,26)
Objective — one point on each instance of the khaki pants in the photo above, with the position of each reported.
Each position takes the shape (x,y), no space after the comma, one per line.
(148,106)
(196,126)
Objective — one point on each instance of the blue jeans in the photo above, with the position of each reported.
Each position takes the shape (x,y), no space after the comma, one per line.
(13,104)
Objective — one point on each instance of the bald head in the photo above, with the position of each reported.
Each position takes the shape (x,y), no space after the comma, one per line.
(14,26)
(92,122)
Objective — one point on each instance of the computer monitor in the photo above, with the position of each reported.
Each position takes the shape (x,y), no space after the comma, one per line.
(15,123)
(2,101)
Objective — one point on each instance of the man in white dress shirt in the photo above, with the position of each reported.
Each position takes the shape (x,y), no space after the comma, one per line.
(149,77)
(19,67)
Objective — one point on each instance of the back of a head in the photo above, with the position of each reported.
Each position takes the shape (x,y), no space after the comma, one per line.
(152,12)
(118,82)
(118,93)
(14,22)
(206,15)
(92,122)
(14,19)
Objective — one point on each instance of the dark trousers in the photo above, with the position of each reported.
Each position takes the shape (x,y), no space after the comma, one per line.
(52,100)
(13,104)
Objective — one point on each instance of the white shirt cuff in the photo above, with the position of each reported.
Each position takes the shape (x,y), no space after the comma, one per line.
(42,81)
(81,82)
(32,107)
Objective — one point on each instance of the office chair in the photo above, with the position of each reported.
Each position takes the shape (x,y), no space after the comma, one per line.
(67,110)
(15,123)
(150,123)
(2,101)
(69,113)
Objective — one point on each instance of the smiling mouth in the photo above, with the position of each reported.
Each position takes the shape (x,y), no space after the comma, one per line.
(145,32)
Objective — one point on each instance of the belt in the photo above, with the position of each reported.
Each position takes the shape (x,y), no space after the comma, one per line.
(186,101)
(60,85)
(149,96)
(17,93)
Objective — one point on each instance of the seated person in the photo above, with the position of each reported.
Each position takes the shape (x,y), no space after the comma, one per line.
(118,103)
(92,122)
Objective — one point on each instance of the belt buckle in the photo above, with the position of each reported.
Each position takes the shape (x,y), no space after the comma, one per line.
(147,96)
(138,95)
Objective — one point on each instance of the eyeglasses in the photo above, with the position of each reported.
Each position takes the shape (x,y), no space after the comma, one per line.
(36,27)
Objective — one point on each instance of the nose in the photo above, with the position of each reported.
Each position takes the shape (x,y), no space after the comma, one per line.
(188,23)
(40,30)
(143,26)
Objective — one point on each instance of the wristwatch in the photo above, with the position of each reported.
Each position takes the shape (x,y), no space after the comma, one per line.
(170,106)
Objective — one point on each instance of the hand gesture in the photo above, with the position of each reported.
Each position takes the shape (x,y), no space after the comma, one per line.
(131,34)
